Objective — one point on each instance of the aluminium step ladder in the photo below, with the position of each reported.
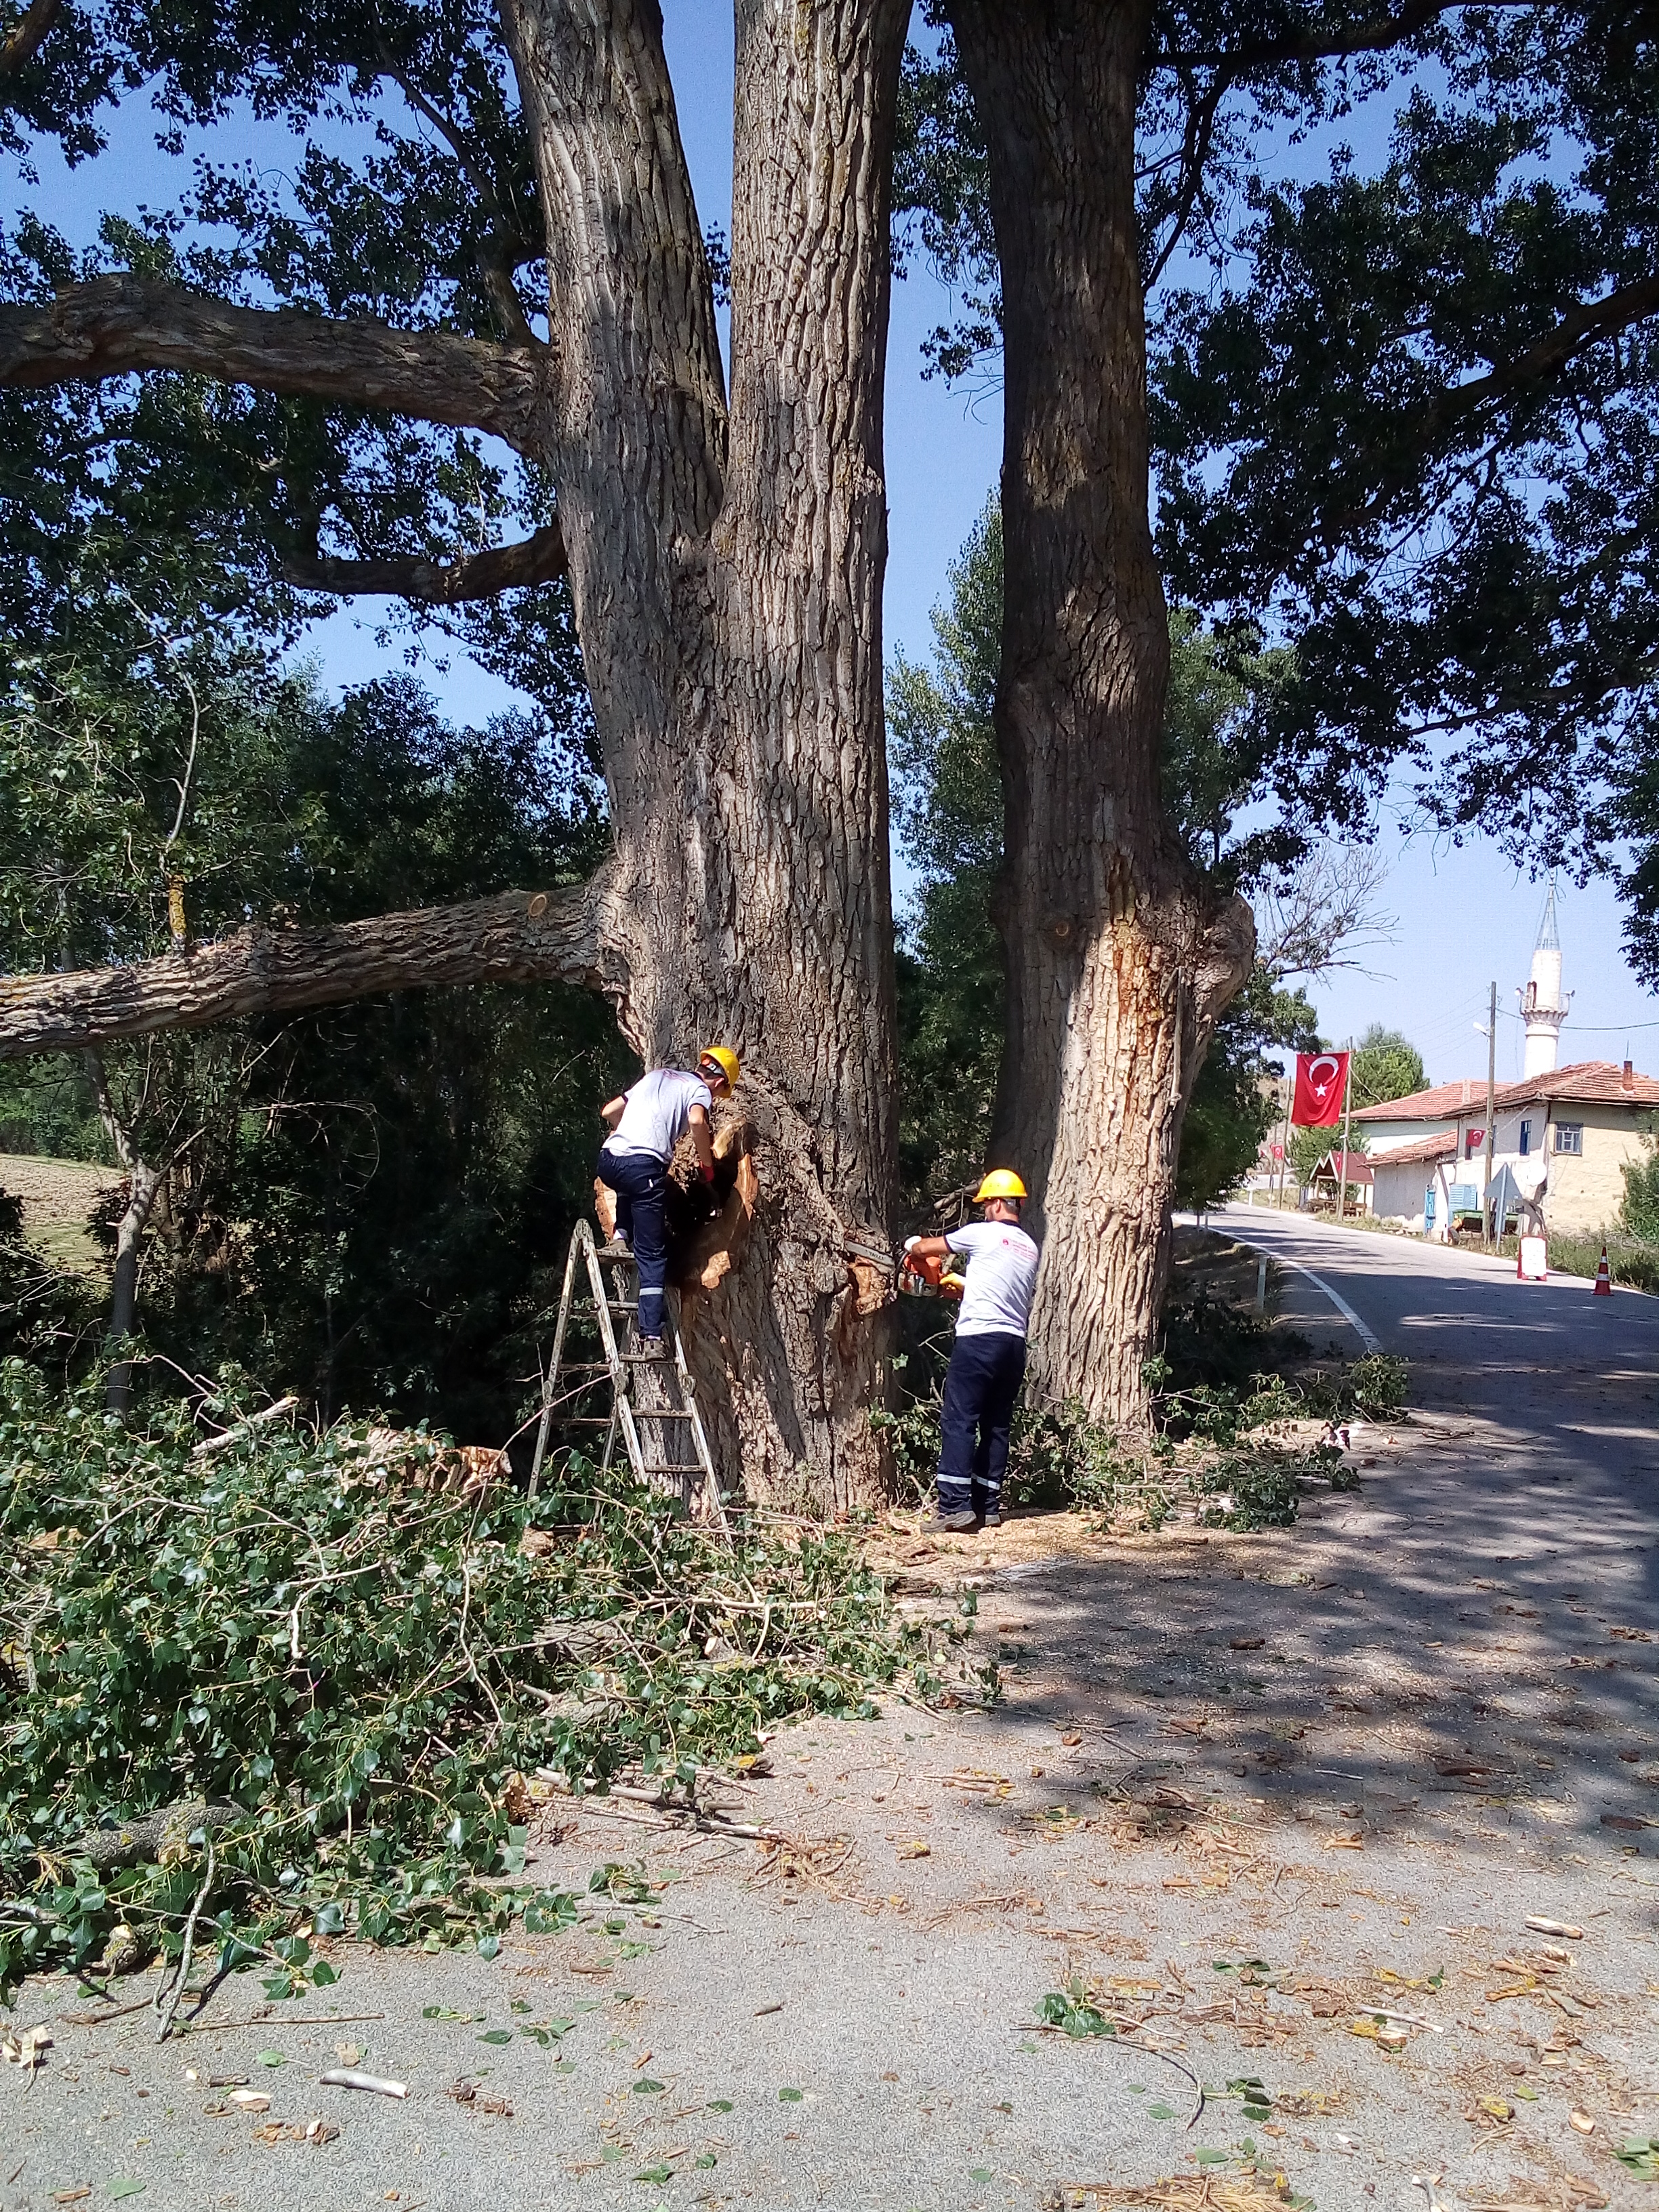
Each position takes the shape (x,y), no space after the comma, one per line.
(667,1444)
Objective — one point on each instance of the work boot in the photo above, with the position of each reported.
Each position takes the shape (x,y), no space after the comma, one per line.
(991,1517)
(953,1524)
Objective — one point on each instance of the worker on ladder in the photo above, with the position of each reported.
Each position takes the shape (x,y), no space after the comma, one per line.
(646,1123)
(987,1361)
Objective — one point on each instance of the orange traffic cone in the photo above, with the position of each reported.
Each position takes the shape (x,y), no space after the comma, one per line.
(1603,1280)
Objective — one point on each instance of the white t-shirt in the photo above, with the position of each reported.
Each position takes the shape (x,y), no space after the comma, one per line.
(657,1111)
(1002,1268)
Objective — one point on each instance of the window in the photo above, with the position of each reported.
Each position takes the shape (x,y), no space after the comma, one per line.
(1525,1138)
(1474,1142)
(1568,1136)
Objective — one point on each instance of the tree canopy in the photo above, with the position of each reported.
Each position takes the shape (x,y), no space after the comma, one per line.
(1404,412)
(1385,1066)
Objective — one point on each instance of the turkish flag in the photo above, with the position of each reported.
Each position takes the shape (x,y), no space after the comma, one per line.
(1320,1079)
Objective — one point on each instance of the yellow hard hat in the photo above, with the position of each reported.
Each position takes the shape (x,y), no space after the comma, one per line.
(1001,1182)
(726,1059)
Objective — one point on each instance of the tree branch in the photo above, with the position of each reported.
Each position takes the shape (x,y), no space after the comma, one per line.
(493,263)
(115,324)
(1580,326)
(24,43)
(516,937)
(536,560)
(1201,115)
(1374,36)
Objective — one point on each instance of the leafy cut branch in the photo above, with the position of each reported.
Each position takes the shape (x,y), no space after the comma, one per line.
(349,1676)
(112,325)
(515,937)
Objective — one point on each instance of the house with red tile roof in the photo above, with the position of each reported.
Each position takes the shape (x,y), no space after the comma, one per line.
(1560,1140)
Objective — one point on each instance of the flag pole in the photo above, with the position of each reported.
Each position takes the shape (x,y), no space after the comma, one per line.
(1487,1239)
(1348,1123)
(1285,1139)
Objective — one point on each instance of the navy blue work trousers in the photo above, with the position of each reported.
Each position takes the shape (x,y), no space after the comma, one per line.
(981,1386)
(640,1182)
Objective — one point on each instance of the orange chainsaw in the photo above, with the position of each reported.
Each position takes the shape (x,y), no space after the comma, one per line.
(930,1279)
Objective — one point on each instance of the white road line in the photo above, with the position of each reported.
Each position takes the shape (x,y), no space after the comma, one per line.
(1366,1334)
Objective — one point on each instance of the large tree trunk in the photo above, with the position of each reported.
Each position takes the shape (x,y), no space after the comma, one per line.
(727,575)
(1119,960)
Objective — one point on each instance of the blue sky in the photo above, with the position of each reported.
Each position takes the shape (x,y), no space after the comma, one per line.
(1464,916)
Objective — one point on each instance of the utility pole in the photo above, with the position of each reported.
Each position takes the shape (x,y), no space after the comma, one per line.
(1492,1094)
(1284,1142)
(1347,1124)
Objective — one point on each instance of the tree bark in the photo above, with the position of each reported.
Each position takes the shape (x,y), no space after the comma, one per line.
(143,1180)
(727,572)
(112,325)
(537,559)
(1118,957)
(516,937)
(24,42)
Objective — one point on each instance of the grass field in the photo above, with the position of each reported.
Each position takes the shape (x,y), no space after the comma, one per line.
(58,1196)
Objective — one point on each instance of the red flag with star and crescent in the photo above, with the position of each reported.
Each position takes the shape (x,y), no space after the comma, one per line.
(1320,1079)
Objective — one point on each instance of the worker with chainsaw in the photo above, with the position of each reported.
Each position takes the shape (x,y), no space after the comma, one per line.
(987,1362)
(646,1123)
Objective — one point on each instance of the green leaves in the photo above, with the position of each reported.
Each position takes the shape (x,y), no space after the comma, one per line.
(389,1806)
(1071,2010)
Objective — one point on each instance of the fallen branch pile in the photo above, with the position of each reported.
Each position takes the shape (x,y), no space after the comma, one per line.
(342,1683)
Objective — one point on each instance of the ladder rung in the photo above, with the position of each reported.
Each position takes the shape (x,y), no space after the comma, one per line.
(660,1413)
(623,1305)
(667,1466)
(588,1421)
